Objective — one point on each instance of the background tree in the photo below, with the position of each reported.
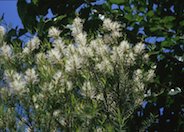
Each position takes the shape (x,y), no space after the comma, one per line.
(158,24)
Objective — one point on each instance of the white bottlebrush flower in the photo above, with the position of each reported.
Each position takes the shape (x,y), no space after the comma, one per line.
(116,34)
(59,45)
(145,57)
(77,32)
(57,75)
(6,51)
(115,56)
(70,50)
(18,83)
(114,28)
(95,43)
(88,89)
(130,58)
(58,41)
(54,55)
(31,45)
(107,38)
(124,46)
(54,32)
(139,86)
(8,75)
(150,75)
(138,79)
(102,50)
(138,75)
(85,51)
(175,91)
(31,76)
(58,78)
(138,48)
(89,52)
(105,66)
(2,31)
(77,26)
(58,83)
(81,39)
(119,53)
(109,25)
(73,63)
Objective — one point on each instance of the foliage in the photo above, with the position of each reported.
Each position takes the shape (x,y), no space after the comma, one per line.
(154,18)
(158,24)
(75,85)
(157,20)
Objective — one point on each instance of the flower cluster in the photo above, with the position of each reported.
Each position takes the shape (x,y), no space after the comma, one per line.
(84,74)
(31,45)
(6,51)
(113,28)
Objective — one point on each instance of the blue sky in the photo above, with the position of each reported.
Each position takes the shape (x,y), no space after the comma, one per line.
(9,8)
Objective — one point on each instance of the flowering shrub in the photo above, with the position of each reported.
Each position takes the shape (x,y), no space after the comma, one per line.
(85,85)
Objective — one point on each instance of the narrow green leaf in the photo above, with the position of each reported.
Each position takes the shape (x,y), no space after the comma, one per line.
(150,13)
(35,2)
(182,23)
(168,19)
(119,2)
